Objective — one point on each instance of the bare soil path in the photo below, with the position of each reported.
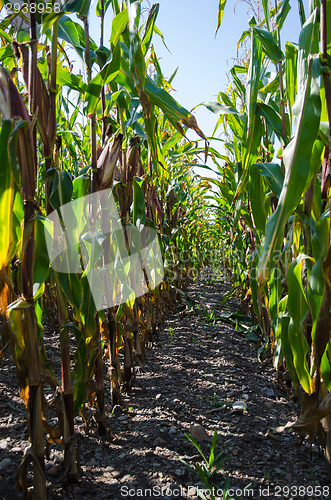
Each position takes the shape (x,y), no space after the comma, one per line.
(193,374)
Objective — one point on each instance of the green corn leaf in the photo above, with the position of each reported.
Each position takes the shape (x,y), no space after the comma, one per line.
(73,33)
(103,55)
(18,217)
(136,55)
(3,33)
(170,107)
(316,282)
(297,303)
(195,443)
(271,87)
(269,45)
(238,128)
(105,76)
(93,243)
(250,149)
(139,208)
(302,12)
(253,260)
(266,10)
(315,161)
(291,73)
(308,45)
(173,75)
(79,394)
(160,98)
(253,80)
(219,109)
(287,349)
(68,31)
(5,52)
(273,120)
(171,142)
(88,309)
(221,7)
(328,23)
(326,366)
(296,158)
(49,20)
(322,333)
(71,6)
(316,287)
(41,262)
(81,186)
(298,310)
(275,292)
(106,4)
(238,69)
(119,23)
(147,38)
(282,12)
(274,175)
(257,197)
(235,122)
(72,288)
(7,195)
(226,99)
(317,200)
(212,459)
(65,77)
(245,34)
(187,465)
(61,189)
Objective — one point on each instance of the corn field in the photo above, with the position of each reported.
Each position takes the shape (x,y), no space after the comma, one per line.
(107,148)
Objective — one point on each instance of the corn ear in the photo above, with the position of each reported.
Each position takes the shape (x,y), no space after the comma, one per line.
(107,162)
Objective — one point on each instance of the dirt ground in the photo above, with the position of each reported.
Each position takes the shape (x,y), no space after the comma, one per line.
(192,374)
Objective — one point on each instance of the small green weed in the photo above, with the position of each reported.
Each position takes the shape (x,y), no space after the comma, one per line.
(171,334)
(208,315)
(217,402)
(208,468)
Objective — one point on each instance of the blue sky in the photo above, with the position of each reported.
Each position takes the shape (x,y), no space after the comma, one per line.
(188,27)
